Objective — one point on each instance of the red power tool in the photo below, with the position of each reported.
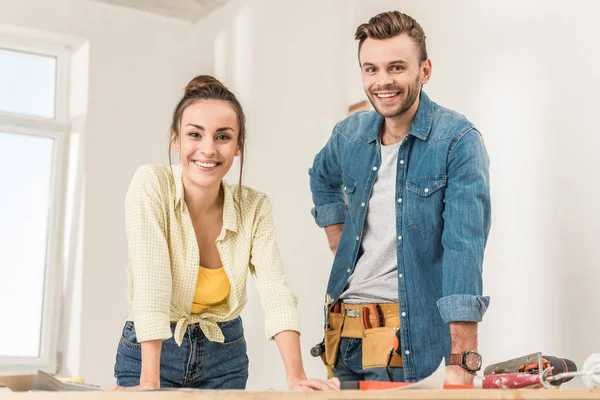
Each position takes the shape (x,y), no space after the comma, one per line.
(533,364)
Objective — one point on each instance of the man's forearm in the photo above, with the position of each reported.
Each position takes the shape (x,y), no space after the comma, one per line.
(334,233)
(464,336)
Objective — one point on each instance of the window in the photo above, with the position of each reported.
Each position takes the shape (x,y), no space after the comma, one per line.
(33,139)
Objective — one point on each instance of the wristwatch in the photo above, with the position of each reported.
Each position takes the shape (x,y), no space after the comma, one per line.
(469,360)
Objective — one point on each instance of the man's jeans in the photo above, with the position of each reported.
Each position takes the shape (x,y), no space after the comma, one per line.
(349,365)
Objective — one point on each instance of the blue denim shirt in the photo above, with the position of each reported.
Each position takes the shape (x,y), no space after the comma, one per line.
(442,220)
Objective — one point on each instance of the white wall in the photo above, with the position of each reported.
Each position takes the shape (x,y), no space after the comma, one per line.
(526,74)
(138,66)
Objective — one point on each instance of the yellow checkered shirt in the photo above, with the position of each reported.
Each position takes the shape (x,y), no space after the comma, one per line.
(163,259)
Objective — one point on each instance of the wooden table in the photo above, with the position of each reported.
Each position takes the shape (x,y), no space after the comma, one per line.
(524,394)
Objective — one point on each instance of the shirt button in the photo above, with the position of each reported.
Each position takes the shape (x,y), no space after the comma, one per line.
(399,275)
(400,237)
(349,270)
(426,190)
(407,352)
(344,188)
(399,200)
(357,238)
(404,314)
(362,204)
(401,161)
(374,168)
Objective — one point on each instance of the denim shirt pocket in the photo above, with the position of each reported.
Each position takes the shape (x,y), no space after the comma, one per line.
(426,202)
(349,193)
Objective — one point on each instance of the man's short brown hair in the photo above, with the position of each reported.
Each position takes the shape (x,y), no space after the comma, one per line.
(391,24)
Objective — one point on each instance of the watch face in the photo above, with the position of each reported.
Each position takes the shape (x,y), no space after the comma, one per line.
(472,361)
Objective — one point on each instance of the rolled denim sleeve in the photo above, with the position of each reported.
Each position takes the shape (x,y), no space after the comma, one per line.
(467,220)
(326,185)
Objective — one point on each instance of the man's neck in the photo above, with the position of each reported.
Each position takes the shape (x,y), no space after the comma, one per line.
(395,129)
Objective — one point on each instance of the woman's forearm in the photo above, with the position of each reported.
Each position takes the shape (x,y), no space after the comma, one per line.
(151,363)
(289,347)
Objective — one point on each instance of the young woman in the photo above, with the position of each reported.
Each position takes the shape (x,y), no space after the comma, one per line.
(192,240)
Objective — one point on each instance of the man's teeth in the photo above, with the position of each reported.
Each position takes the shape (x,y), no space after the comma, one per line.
(206,165)
(386,95)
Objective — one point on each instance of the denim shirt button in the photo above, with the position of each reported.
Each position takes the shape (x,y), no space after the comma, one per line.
(357,238)
(403,314)
(401,161)
(399,275)
(349,270)
(407,352)
(399,200)
(426,190)
(374,168)
(362,204)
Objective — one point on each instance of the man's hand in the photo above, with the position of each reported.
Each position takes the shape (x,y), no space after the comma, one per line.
(309,385)
(457,375)
(334,233)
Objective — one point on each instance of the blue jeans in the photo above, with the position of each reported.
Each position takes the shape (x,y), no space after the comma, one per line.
(197,363)
(348,366)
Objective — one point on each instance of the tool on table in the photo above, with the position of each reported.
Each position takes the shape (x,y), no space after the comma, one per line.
(534,364)
(543,371)
(590,374)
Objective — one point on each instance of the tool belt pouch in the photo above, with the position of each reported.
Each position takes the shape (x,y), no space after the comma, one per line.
(332,339)
(377,344)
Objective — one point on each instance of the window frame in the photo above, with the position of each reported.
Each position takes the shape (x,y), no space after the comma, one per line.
(58,129)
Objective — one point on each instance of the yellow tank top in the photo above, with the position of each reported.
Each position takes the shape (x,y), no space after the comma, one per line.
(212,289)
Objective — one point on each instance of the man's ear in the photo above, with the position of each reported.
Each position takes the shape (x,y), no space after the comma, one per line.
(425,71)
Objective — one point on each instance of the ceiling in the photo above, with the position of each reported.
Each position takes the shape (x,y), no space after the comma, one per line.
(191,10)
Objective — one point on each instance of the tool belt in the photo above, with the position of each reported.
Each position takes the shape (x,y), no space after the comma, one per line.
(375,324)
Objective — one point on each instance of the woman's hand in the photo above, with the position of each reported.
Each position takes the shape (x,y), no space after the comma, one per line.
(144,385)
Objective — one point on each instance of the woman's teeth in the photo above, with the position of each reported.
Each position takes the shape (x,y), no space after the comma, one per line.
(205,165)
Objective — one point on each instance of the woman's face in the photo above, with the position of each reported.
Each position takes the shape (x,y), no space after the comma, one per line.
(207,142)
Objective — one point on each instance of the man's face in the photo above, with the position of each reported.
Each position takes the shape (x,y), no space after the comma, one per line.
(392,74)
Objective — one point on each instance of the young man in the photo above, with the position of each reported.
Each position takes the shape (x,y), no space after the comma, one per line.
(403,195)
